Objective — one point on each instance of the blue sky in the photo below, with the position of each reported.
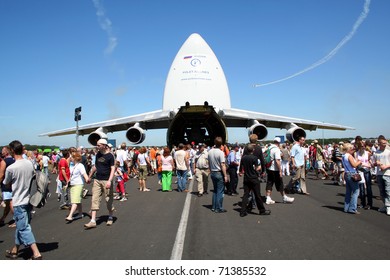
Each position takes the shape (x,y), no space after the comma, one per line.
(112,58)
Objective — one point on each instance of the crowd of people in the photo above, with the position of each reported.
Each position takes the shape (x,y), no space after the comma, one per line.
(355,165)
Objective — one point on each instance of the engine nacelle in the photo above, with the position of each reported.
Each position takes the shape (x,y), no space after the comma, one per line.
(95,136)
(294,133)
(135,134)
(259,129)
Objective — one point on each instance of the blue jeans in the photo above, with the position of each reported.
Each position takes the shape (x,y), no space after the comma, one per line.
(181,179)
(351,194)
(219,187)
(366,192)
(384,188)
(23,233)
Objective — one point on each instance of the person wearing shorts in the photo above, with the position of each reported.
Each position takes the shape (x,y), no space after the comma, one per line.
(274,174)
(77,177)
(143,162)
(102,184)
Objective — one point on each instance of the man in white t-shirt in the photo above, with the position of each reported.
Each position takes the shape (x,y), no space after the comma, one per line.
(45,163)
(202,171)
(298,159)
(121,156)
(182,167)
(382,161)
(274,174)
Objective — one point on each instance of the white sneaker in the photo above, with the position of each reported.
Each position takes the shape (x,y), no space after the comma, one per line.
(383,209)
(388,211)
(287,199)
(269,201)
(123,199)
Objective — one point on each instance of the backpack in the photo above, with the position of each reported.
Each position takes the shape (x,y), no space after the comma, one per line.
(39,189)
(267,157)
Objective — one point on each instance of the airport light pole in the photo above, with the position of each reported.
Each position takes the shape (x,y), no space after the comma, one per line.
(77,118)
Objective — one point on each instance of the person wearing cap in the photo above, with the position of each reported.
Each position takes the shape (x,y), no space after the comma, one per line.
(102,184)
(232,167)
(202,171)
(274,174)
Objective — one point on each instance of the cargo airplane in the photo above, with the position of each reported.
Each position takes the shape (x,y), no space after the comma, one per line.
(196,107)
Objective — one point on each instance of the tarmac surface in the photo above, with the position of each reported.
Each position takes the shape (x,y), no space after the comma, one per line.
(159,225)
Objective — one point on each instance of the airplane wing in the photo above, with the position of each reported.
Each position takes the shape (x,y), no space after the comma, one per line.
(242,118)
(150,120)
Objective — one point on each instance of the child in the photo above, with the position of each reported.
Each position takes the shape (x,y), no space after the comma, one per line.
(120,187)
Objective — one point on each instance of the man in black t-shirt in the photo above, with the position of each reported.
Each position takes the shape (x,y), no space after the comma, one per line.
(258,152)
(250,167)
(105,169)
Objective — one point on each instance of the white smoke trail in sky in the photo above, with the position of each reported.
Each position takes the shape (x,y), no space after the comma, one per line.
(106,25)
(326,58)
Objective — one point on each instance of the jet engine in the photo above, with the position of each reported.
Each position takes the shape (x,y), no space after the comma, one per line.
(259,129)
(98,134)
(135,134)
(294,132)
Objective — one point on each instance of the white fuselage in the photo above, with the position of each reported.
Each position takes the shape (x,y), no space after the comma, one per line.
(196,76)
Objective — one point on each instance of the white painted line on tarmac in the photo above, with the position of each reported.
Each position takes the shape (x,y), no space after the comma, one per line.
(178,247)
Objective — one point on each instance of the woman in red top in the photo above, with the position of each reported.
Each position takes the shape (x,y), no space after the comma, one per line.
(64,177)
